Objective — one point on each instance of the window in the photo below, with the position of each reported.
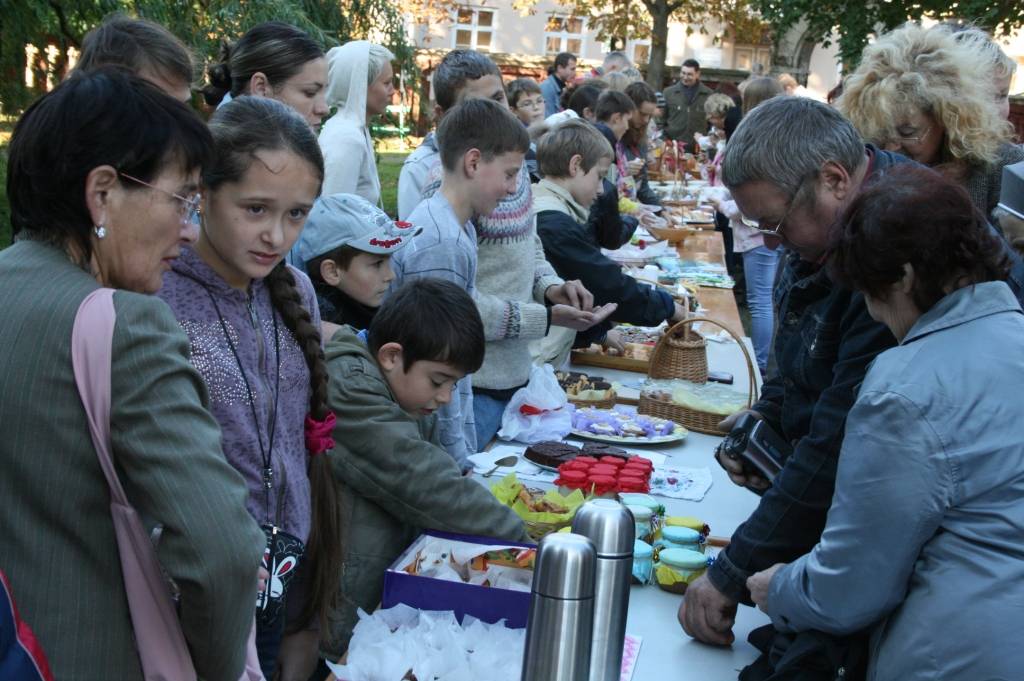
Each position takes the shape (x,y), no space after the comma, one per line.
(743,59)
(474,29)
(564,34)
(641,52)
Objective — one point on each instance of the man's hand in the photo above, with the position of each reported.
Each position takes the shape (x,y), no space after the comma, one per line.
(613,341)
(706,614)
(733,467)
(759,583)
(580,320)
(679,313)
(571,293)
(635,166)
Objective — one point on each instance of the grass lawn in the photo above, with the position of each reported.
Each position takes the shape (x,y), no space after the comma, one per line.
(388,167)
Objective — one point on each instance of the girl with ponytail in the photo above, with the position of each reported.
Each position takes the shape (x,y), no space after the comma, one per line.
(254,329)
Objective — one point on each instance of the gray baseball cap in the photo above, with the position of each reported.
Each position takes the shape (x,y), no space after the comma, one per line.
(1011,193)
(349,220)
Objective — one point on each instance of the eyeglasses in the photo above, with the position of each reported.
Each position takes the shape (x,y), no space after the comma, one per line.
(776,229)
(917,139)
(530,103)
(189,206)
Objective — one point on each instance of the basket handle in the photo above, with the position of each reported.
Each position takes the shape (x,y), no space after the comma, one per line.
(676,295)
(685,325)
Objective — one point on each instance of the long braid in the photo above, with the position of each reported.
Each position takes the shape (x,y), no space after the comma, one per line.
(324,546)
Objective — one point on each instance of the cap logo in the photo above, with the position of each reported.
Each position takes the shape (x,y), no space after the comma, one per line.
(385,243)
(402,224)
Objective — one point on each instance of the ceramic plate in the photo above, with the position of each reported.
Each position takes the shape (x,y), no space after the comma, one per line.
(679,434)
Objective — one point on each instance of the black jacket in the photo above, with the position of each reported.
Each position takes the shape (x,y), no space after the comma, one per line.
(824,342)
(612,229)
(338,308)
(573,252)
(644,193)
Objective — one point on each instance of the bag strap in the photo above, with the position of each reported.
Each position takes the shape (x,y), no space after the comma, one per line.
(163,651)
(91,346)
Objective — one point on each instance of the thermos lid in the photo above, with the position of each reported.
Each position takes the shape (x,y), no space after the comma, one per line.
(565,567)
(609,525)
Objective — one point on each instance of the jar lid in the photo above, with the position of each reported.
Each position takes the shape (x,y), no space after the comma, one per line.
(680,535)
(684,559)
(640,512)
(634,499)
(642,549)
(632,482)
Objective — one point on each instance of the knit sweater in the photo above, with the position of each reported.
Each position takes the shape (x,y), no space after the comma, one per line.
(512,276)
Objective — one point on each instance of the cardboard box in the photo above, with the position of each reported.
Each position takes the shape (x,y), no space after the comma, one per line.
(485,603)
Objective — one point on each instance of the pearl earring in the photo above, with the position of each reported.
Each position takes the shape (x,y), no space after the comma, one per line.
(100,231)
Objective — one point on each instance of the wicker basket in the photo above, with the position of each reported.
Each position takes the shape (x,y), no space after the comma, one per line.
(678,356)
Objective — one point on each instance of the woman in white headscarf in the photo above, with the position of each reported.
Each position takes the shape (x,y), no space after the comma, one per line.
(359,84)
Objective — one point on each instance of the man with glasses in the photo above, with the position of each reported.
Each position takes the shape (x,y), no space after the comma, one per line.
(560,73)
(793,165)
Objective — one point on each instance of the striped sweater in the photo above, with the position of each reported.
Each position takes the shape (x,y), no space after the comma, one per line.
(512,276)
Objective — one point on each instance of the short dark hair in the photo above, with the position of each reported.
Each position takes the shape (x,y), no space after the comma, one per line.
(105,116)
(912,214)
(585,96)
(137,45)
(691,63)
(342,256)
(433,320)
(519,87)
(563,59)
(273,48)
(556,148)
(641,93)
(613,102)
(455,69)
(480,124)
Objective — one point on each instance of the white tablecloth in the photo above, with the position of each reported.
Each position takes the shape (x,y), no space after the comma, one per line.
(667,653)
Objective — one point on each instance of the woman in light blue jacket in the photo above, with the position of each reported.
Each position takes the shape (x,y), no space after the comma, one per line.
(923,542)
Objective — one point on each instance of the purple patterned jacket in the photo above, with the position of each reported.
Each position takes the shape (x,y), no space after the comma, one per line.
(190,289)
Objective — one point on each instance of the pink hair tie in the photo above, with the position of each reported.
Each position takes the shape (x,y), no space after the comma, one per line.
(318,434)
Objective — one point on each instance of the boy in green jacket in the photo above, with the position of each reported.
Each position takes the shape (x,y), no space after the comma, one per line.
(394,479)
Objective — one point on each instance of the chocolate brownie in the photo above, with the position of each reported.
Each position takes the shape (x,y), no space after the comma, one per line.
(599,449)
(551,454)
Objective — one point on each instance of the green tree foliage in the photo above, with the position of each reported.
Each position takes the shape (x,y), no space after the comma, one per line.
(856,22)
(202,24)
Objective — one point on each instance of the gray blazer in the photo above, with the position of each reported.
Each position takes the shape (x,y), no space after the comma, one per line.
(924,537)
(59,549)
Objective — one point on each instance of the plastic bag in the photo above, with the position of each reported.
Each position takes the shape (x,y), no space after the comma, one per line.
(537,411)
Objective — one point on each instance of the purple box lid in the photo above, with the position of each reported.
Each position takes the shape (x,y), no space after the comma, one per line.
(486,603)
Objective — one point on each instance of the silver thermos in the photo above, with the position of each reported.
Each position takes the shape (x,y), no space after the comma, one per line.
(558,630)
(610,526)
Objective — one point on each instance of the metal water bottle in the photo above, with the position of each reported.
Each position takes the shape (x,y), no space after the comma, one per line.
(610,526)
(560,625)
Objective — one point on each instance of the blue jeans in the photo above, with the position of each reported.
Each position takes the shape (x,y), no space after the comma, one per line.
(759,271)
(268,643)
(487,411)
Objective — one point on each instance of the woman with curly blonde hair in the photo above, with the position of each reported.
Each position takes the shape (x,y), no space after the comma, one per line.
(929,96)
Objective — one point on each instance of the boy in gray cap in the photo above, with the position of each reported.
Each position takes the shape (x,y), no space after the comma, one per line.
(346,248)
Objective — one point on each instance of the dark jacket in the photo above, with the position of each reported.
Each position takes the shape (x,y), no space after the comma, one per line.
(394,480)
(683,117)
(824,342)
(571,250)
(610,228)
(644,193)
(338,308)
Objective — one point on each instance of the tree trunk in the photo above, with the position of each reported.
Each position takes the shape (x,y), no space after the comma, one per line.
(659,44)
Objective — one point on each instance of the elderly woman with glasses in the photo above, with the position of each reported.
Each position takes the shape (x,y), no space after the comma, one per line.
(102,179)
(932,97)
(922,542)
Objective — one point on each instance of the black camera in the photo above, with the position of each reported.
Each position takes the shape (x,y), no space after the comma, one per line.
(753,443)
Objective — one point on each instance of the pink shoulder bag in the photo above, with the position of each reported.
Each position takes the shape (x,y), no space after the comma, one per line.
(158,636)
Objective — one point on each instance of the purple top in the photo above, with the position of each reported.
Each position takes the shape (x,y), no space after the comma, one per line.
(250,322)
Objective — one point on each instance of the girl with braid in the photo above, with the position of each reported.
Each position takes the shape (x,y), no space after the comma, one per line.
(253,325)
